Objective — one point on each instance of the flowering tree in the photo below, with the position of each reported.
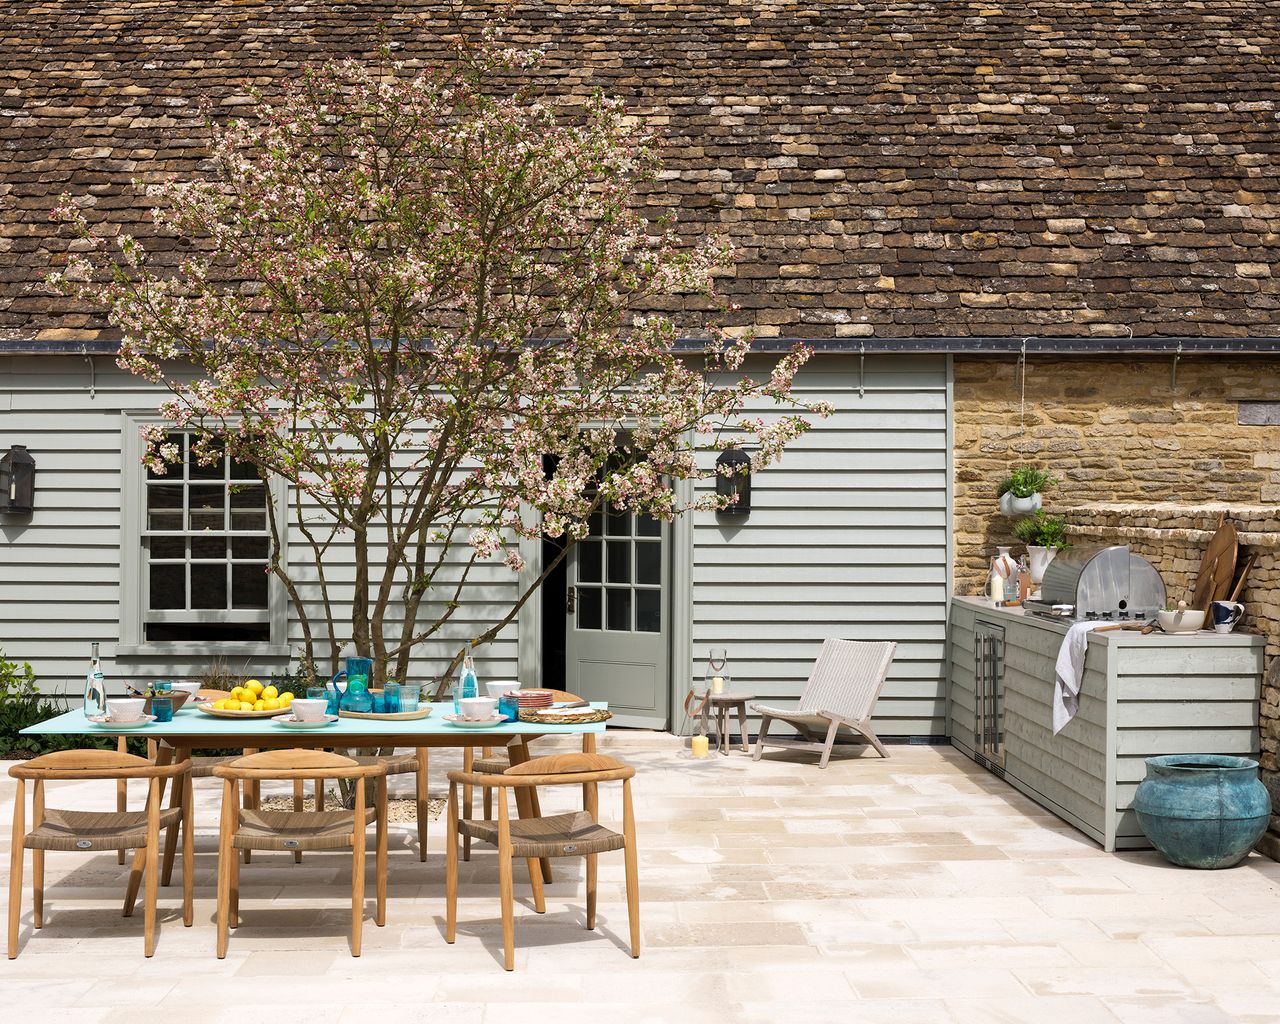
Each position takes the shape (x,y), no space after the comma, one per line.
(410,297)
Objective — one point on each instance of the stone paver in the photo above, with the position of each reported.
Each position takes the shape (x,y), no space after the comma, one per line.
(914,889)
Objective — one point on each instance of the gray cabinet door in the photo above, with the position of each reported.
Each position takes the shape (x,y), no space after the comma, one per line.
(619,620)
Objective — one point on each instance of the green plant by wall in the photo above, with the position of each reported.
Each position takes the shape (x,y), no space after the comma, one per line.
(1025,481)
(1042,530)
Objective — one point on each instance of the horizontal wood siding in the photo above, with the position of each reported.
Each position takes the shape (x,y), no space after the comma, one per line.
(847,538)
(62,588)
(962,690)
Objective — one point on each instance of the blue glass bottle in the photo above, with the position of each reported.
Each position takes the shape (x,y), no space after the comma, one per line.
(357,698)
(467,686)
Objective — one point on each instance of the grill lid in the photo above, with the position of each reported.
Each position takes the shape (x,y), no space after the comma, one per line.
(1103,580)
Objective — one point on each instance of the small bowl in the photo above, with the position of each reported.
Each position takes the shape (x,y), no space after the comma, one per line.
(480,708)
(125,709)
(1187,620)
(307,709)
(499,689)
(190,689)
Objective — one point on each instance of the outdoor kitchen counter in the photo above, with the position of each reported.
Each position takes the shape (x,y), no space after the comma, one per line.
(1141,696)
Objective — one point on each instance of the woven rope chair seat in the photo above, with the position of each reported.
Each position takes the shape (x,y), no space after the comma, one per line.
(95,830)
(397,764)
(297,830)
(202,767)
(495,765)
(560,835)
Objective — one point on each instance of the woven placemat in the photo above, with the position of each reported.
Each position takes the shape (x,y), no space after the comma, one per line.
(560,718)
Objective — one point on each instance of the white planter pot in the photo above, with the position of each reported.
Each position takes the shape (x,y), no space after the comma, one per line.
(1024,506)
(1006,504)
(1039,558)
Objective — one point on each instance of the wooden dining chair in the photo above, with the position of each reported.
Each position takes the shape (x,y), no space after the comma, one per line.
(496,761)
(575,834)
(90,831)
(246,828)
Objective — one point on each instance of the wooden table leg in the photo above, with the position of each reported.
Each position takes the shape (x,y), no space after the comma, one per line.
(742,725)
(122,789)
(722,730)
(423,799)
(252,796)
(171,834)
(518,752)
(164,756)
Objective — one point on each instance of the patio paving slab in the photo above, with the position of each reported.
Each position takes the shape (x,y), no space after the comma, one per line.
(913,889)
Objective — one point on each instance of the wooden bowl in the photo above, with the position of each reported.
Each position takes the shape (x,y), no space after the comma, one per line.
(179,698)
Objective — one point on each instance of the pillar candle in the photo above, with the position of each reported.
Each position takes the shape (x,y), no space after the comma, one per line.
(699,746)
(717,684)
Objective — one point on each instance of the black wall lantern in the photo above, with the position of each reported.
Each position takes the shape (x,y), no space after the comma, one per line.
(17,481)
(733,477)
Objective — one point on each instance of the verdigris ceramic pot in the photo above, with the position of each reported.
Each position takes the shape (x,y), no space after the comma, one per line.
(1202,810)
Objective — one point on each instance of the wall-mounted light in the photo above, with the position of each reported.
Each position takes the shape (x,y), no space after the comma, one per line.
(17,481)
(733,480)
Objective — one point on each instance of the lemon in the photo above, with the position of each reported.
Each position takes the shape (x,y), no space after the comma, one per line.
(245,706)
(259,705)
(270,692)
(286,699)
(253,686)
(272,704)
(237,692)
(220,705)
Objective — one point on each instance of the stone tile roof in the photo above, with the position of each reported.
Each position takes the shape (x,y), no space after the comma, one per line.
(887,167)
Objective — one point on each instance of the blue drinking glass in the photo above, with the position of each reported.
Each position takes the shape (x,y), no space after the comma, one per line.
(379,702)
(391,697)
(162,708)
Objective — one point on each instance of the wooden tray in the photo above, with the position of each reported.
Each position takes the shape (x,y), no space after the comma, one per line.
(559,718)
(399,716)
(209,709)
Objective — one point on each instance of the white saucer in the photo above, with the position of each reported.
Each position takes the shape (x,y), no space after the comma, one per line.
(475,723)
(136,723)
(290,721)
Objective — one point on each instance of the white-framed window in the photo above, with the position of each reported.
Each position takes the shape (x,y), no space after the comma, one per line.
(196,540)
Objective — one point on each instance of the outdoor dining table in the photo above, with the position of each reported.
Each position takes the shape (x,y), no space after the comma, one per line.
(192,729)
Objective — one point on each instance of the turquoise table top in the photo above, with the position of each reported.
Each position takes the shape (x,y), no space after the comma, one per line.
(190,722)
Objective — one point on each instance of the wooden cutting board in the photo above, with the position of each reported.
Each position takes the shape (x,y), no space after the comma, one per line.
(1217,568)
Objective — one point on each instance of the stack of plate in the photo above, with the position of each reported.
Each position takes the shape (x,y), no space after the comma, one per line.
(532,700)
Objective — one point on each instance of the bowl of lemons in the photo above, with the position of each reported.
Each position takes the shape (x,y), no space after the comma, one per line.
(249,700)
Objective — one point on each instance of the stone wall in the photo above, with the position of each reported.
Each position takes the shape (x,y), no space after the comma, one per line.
(1111,430)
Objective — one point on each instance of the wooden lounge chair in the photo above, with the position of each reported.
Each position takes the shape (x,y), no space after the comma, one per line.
(841,694)
(91,831)
(251,829)
(575,834)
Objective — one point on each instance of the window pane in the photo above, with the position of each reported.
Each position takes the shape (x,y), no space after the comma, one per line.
(209,631)
(595,524)
(248,586)
(647,526)
(248,507)
(209,586)
(648,562)
(205,510)
(167,547)
(243,470)
(168,586)
(618,524)
(588,608)
(205,545)
(249,547)
(164,506)
(619,561)
(649,611)
(589,558)
(196,471)
(619,611)
(173,472)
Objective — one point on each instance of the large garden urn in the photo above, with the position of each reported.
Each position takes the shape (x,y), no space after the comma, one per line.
(1202,810)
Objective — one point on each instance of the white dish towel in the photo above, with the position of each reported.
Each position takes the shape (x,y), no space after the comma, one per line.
(1069,674)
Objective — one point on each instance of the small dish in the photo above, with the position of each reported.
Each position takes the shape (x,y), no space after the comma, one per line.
(291,721)
(133,723)
(475,723)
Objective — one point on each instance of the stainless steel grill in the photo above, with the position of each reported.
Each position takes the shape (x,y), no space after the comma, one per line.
(1099,582)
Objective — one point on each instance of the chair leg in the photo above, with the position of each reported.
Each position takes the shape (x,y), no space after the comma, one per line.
(468,759)
(358,839)
(15,866)
(171,833)
(37,858)
(319,794)
(451,866)
(591,891)
(152,869)
(742,725)
(505,889)
(161,755)
(764,728)
(535,882)
(420,792)
(380,868)
(226,855)
(188,854)
(299,802)
(864,728)
(832,731)
(122,790)
(632,867)
(251,799)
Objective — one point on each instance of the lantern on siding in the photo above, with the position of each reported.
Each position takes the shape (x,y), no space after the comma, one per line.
(17,481)
(733,481)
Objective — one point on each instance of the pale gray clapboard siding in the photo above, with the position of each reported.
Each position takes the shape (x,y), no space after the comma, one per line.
(847,538)
(61,587)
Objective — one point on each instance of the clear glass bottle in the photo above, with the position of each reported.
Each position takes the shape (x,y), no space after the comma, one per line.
(468,685)
(95,687)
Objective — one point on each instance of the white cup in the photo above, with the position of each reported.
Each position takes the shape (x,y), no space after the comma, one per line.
(190,689)
(125,709)
(478,707)
(308,709)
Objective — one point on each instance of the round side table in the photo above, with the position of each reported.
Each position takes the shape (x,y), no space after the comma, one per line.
(722,704)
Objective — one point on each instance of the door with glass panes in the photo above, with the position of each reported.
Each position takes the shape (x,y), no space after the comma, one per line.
(619,617)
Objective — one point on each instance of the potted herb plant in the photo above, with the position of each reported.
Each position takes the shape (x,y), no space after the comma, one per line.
(1044,535)
(1020,492)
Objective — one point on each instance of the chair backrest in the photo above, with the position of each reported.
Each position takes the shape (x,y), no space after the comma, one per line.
(298,764)
(847,677)
(553,770)
(94,764)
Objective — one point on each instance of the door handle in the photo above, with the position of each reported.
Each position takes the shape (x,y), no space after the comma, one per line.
(570,599)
